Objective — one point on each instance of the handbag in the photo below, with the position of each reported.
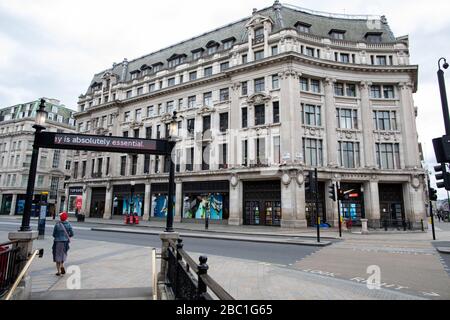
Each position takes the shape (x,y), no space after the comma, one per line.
(65,231)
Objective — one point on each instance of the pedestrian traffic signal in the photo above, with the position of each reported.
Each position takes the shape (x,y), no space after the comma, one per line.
(309,182)
(340,194)
(332,192)
(442,177)
(432,194)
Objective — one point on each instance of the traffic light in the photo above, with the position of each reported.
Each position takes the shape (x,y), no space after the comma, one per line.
(442,177)
(340,194)
(309,182)
(432,194)
(332,192)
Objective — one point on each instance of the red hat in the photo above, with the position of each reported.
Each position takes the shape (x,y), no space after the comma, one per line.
(63,216)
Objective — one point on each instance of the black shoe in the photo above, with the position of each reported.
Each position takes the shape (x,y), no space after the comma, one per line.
(63,271)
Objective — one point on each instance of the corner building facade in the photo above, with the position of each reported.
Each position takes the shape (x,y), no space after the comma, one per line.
(260,102)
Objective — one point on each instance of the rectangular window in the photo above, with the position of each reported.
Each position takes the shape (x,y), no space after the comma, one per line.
(40,181)
(304,84)
(388,92)
(345,58)
(375,92)
(275,82)
(208,72)
(138,115)
(310,52)
(259,55)
(148,132)
(146,163)
(388,156)
(311,115)
(192,75)
(150,111)
(223,122)
(274,50)
(125,134)
(75,170)
(351,90)
(260,144)
(170,107)
(315,86)
(123,165)
(385,120)
(224,94)
(206,123)
(42,164)
(347,118)
(189,159)
(207,99)
(276,112)
(312,150)
(126,116)
(223,155)
(140,91)
(190,125)
(180,103)
(191,101)
(349,154)
(339,89)
(108,161)
(244,88)
(381,60)
(224,66)
(227,44)
(244,117)
(259,85)
(260,115)
(54,186)
(56,158)
(151,87)
(245,152)
(83,169)
(170,82)
(133,170)
(244,59)
(129,94)
(205,157)
(196,54)
(136,133)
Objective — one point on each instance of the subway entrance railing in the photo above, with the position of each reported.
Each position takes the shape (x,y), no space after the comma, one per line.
(9,265)
(187,280)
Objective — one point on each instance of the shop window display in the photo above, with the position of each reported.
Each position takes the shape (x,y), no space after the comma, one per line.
(160,205)
(198,206)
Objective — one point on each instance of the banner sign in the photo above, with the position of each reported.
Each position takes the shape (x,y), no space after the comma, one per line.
(54,140)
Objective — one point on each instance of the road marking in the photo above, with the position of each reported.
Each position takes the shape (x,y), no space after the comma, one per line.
(431,294)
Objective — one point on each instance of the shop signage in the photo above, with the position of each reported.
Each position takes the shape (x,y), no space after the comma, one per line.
(54,140)
(76,191)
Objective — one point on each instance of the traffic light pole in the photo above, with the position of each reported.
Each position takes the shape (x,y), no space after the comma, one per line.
(431,209)
(338,187)
(316,191)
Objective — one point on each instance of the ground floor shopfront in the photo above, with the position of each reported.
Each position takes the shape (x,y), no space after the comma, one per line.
(277,200)
(13,203)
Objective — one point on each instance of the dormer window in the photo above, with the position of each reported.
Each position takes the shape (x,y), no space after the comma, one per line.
(135,74)
(176,60)
(373,37)
(157,66)
(145,69)
(337,34)
(212,47)
(228,43)
(303,27)
(259,35)
(197,53)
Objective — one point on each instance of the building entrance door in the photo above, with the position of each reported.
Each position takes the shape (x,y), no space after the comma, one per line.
(262,203)
(97,209)
(391,205)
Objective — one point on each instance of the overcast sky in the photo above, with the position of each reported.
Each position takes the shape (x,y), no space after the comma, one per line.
(53,48)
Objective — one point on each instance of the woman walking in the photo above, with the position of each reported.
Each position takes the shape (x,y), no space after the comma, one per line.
(62,232)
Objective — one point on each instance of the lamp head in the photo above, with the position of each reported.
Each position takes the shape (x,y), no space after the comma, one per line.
(445,65)
(41,114)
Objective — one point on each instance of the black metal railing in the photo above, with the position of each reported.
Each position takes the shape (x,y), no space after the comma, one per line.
(189,280)
(9,265)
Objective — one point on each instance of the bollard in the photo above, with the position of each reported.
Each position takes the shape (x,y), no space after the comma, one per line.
(421,222)
(202,269)
(385,225)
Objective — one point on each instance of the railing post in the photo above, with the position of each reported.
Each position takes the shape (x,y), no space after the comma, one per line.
(162,275)
(202,269)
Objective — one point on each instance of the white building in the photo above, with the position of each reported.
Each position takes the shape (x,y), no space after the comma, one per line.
(16,145)
(262,101)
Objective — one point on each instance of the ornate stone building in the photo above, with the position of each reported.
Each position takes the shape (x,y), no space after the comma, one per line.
(16,145)
(260,102)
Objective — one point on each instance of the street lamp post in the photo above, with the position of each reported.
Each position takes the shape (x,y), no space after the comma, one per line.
(443,92)
(41,116)
(172,133)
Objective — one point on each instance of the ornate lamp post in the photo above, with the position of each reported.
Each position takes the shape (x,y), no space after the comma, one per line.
(41,117)
(444,94)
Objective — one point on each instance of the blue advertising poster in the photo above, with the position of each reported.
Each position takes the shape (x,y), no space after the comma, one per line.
(160,206)
(197,207)
(20,207)
(216,207)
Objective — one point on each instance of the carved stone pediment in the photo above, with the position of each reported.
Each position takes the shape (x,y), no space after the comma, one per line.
(101,131)
(205,110)
(166,117)
(258,98)
(313,131)
(135,125)
(258,19)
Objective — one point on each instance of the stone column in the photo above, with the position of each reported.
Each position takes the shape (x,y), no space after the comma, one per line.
(235,124)
(108,202)
(236,202)
(178,201)
(66,199)
(367,126)
(414,201)
(408,124)
(266,39)
(292,201)
(372,204)
(197,145)
(330,116)
(289,115)
(12,212)
(251,35)
(1,201)
(147,202)
(300,203)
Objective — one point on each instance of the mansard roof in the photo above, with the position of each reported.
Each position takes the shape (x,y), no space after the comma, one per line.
(282,16)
